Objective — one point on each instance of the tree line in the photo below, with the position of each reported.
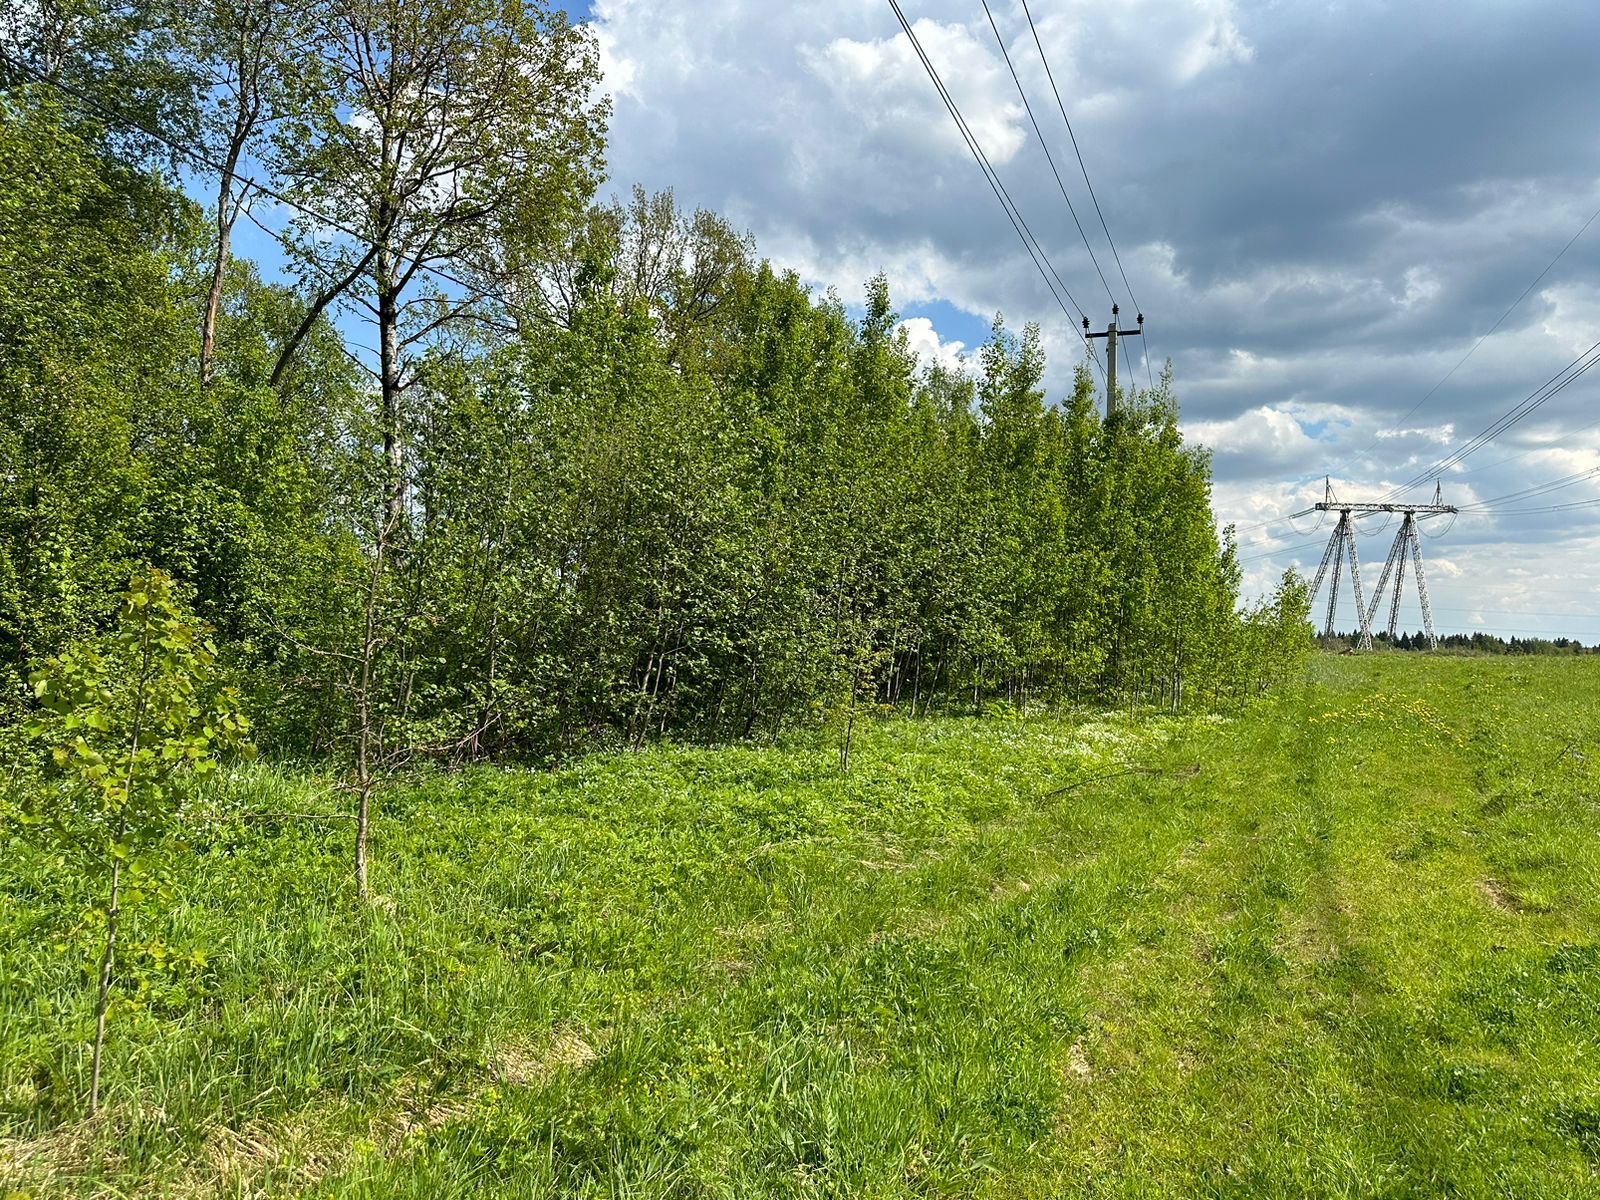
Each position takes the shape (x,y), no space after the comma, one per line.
(482,465)
(1475,643)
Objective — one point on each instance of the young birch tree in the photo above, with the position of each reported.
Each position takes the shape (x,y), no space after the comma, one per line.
(128,715)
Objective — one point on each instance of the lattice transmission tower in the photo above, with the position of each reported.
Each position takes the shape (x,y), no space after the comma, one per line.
(1342,545)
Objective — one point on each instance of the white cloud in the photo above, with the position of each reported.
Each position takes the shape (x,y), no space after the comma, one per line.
(883,82)
(1217,43)
(1422,286)
(1269,433)
(1574,314)
(930,348)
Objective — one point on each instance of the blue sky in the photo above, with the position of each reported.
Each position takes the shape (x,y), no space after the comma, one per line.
(1321,207)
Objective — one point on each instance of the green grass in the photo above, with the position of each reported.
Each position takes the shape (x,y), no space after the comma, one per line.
(1344,945)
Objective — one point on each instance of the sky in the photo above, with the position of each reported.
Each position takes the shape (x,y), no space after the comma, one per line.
(1320,207)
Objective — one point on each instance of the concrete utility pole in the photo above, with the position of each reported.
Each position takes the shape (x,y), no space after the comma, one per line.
(1111,334)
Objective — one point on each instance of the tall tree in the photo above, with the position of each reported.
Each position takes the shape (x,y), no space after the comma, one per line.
(241,55)
(116,59)
(443,144)
(445,135)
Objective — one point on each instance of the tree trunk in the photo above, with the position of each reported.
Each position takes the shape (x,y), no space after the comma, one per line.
(227,213)
(363,818)
(390,387)
(112,912)
(208,328)
(366,733)
(114,908)
(849,728)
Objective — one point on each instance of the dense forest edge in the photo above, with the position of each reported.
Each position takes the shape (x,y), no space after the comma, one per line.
(484,466)
(607,476)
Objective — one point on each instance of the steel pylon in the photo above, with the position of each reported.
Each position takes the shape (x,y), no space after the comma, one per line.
(1406,544)
(1342,545)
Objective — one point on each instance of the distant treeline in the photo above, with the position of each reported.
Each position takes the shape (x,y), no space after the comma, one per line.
(587,473)
(1474,643)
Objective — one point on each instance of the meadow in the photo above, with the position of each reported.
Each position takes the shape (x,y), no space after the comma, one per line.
(1340,943)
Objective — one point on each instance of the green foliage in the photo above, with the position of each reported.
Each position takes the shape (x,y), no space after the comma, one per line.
(85,305)
(128,715)
(698,502)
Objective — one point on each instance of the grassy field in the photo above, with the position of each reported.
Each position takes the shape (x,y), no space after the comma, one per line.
(1345,944)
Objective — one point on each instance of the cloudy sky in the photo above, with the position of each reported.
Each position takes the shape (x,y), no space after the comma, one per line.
(1321,207)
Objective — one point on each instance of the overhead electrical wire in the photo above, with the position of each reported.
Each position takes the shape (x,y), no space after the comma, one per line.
(1322,518)
(1388,520)
(1281,551)
(1045,146)
(1282,520)
(1083,167)
(1500,462)
(1529,512)
(1449,525)
(1050,75)
(1529,493)
(1035,249)
(1511,612)
(1144,342)
(1540,396)
(1410,412)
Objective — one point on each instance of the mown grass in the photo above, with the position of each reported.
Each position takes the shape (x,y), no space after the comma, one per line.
(1343,945)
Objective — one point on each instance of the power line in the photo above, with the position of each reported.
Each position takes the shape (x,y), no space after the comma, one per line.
(1045,146)
(1238,529)
(1530,512)
(1050,75)
(1035,250)
(1395,428)
(1538,489)
(1144,346)
(1500,462)
(1516,612)
(1551,388)
(1283,551)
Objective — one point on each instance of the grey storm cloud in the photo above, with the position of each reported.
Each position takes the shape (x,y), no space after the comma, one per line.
(1322,207)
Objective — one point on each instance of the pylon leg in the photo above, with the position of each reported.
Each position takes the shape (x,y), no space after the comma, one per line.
(1364,636)
(1337,545)
(1402,545)
(1396,549)
(1327,555)
(1422,590)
